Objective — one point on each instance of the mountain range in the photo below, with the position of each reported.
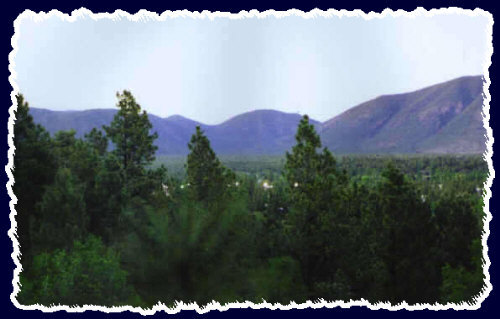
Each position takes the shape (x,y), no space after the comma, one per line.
(443,118)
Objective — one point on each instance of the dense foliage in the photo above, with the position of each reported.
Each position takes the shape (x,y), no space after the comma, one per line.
(100,222)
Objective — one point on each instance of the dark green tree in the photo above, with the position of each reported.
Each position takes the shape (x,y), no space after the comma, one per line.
(306,168)
(133,144)
(63,147)
(408,240)
(460,284)
(34,168)
(77,155)
(98,175)
(62,218)
(316,189)
(304,163)
(207,178)
(89,273)
(98,140)
(458,227)
(106,199)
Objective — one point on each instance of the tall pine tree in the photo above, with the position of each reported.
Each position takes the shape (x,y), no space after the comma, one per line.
(34,168)
(133,144)
(208,179)
(314,183)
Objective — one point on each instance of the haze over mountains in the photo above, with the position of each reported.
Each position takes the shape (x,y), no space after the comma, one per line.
(443,118)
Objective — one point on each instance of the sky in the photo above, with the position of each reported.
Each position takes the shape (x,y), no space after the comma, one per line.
(210,70)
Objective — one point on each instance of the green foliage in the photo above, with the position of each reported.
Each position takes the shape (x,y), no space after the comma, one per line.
(304,163)
(193,254)
(426,169)
(278,280)
(315,189)
(98,141)
(462,285)
(63,218)
(76,155)
(133,144)
(103,224)
(34,169)
(89,273)
(106,199)
(339,288)
(207,178)
(409,236)
(458,227)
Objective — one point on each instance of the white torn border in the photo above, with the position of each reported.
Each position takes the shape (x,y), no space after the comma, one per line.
(144,15)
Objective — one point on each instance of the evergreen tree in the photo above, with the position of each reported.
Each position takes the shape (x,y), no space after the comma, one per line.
(87,273)
(315,187)
(409,234)
(34,168)
(130,133)
(63,147)
(106,200)
(460,284)
(62,214)
(98,141)
(88,169)
(305,167)
(207,178)
(407,242)
(458,227)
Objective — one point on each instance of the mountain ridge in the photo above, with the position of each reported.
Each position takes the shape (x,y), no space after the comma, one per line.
(442,118)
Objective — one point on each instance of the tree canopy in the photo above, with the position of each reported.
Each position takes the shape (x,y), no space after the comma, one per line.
(99,224)
(133,143)
(207,178)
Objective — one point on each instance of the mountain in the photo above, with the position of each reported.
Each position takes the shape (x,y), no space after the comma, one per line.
(256,132)
(174,133)
(443,118)
(81,121)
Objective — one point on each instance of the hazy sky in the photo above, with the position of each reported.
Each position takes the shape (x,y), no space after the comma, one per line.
(210,70)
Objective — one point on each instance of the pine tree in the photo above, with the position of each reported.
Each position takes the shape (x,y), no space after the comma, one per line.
(98,141)
(34,167)
(87,273)
(314,183)
(305,164)
(408,239)
(458,227)
(63,216)
(208,179)
(130,133)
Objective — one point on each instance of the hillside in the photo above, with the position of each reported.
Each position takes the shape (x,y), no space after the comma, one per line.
(258,132)
(443,118)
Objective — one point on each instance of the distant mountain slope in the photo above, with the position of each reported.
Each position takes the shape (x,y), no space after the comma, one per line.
(257,132)
(444,118)
(81,121)
(464,134)
(174,133)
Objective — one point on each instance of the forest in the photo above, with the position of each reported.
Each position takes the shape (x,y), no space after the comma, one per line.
(102,221)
